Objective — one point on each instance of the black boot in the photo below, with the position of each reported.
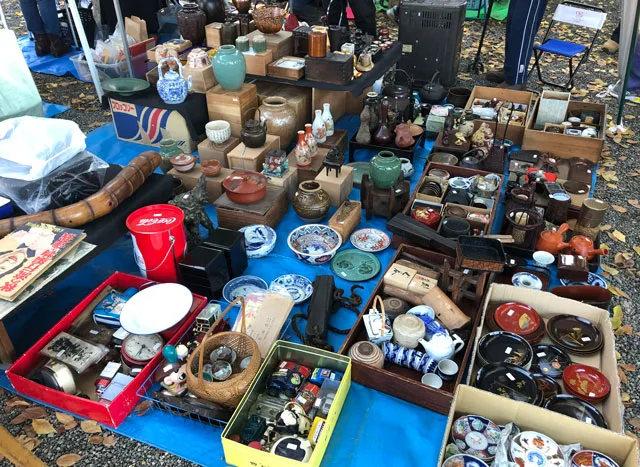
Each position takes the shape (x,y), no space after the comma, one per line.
(58,46)
(42,45)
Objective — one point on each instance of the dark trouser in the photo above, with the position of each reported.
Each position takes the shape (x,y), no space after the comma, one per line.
(41,16)
(523,21)
(363,10)
(615,35)
(310,11)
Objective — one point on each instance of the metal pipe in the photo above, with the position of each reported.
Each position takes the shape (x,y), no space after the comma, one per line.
(625,81)
(85,47)
(73,30)
(123,33)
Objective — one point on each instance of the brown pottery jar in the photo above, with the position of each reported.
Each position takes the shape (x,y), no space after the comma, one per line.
(311,202)
(191,23)
(281,119)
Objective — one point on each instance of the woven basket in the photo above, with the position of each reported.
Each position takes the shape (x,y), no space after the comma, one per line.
(229,392)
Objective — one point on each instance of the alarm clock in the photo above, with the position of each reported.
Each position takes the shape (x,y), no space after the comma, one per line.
(137,350)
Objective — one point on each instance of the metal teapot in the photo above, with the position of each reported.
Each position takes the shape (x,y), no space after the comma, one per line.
(401,91)
(433,92)
(254,131)
(172,87)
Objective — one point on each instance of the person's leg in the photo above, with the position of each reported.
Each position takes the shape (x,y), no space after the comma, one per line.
(49,15)
(35,25)
(365,14)
(336,11)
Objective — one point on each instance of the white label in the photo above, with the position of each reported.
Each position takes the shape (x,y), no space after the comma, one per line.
(167,367)
(541,354)
(587,420)
(60,354)
(586,339)
(581,191)
(292,446)
(591,394)
(120,334)
(510,376)
(94,332)
(508,350)
(283,364)
(510,313)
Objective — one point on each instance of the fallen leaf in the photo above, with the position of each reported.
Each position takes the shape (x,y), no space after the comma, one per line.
(109,440)
(626,329)
(142,408)
(634,202)
(67,460)
(616,291)
(618,356)
(617,235)
(29,414)
(70,425)
(622,376)
(628,367)
(42,426)
(625,397)
(635,422)
(64,418)
(620,209)
(90,426)
(606,227)
(616,318)
(95,439)
(636,249)
(609,269)
(17,402)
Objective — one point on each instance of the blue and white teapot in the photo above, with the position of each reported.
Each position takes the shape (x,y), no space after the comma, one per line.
(172,87)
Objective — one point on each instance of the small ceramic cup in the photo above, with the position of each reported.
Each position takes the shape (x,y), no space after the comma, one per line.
(447,369)
(432,380)
(543,258)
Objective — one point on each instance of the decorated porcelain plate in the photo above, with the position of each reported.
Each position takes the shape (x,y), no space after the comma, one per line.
(464,460)
(574,334)
(576,408)
(355,265)
(476,436)
(526,280)
(242,286)
(593,279)
(259,240)
(535,449)
(371,240)
(299,287)
(549,360)
(508,381)
(359,169)
(517,318)
(588,458)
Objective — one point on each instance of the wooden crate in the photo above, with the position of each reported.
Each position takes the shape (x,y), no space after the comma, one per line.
(337,187)
(214,184)
(242,157)
(202,79)
(289,182)
(274,68)
(280,43)
(297,97)
(269,211)
(312,171)
(232,106)
(257,63)
(208,150)
(213,32)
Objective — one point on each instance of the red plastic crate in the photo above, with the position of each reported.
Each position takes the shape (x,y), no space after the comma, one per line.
(108,413)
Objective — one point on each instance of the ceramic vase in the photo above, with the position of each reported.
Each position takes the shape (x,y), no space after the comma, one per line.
(328,119)
(385,168)
(281,119)
(383,133)
(311,202)
(191,23)
(367,353)
(311,141)
(364,132)
(319,128)
(168,149)
(301,151)
(214,9)
(229,67)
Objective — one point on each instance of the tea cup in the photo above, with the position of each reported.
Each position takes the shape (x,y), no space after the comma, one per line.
(431,380)
(447,369)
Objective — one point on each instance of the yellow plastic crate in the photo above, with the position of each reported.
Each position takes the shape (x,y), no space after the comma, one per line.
(240,455)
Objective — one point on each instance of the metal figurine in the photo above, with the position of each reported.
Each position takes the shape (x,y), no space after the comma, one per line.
(192,203)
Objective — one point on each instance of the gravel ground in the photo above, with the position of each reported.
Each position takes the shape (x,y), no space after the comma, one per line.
(618,187)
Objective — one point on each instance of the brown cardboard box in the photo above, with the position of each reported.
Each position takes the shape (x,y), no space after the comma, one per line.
(242,157)
(232,106)
(289,182)
(202,79)
(562,429)
(257,63)
(548,305)
(214,184)
(280,43)
(338,187)
(207,150)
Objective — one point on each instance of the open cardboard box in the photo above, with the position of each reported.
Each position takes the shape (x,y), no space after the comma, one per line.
(562,429)
(548,305)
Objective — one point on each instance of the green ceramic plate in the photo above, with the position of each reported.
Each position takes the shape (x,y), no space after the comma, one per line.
(355,265)
(125,86)
(359,169)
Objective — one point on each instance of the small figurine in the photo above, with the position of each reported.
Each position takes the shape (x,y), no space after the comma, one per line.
(192,203)
(275,163)
(364,134)
(481,139)
(448,129)
(333,160)
(176,381)
(460,138)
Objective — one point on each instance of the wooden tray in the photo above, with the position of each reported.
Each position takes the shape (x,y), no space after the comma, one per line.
(277,69)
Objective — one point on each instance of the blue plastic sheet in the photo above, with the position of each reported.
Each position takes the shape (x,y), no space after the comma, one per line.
(51,110)
(47,64)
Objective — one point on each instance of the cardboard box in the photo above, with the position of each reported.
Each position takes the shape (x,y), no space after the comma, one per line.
(238,454)
(548,305)
(566,146)
(257,63)
(338,187)
(289,182)
(242,157)
(562,429)
(213,184)
(298,98)
(202,79)
(232,106)
(208,150)
(108,413)
(280,43)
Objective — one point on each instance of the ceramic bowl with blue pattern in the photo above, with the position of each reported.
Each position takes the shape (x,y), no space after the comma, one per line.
(314,244)
(259,240)
(593,279)
(299,287)
(242,286)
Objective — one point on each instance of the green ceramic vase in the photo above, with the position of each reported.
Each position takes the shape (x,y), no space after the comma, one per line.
(385,169)
(229,67)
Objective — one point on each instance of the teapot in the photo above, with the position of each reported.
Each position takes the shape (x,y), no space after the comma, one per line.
(401,91)
(254,132)
(432,92)
(442,346)
(552,241)
(172,87)
(583,246)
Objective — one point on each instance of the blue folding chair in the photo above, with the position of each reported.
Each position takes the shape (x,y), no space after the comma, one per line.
(576,14)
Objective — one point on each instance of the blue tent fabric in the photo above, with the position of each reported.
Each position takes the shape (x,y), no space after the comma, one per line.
(47,64)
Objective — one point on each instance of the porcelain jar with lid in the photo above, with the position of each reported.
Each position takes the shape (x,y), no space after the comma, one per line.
(408,330)
(172,87)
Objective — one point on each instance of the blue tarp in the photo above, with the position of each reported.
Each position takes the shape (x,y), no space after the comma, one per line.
(47,64)
(51,110)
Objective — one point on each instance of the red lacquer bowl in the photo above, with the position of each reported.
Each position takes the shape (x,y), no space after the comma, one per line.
(517,318)
(586,382)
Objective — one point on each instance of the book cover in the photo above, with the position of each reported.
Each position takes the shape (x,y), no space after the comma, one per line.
(29,251)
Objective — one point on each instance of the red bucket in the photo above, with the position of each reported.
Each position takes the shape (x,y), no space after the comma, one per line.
(159,240)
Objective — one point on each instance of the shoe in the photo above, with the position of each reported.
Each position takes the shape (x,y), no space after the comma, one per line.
(392,13)
(610,47)
(58,47)
(496,75)
(42,45)
(514,87)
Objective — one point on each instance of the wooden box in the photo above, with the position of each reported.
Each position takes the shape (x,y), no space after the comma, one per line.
(339,139)
(269,211)
(333,68)
(179,44)
(242,157)
(287,68)
(280,44)
(346,218)
(289,182)
(339,188)
(214,184)
(337,101)
(297,97)
(551,108)
(232,106)
(213,32)
(208,150)
(312,171)
(402,382)
(202,79)
(257,63)
(566,146)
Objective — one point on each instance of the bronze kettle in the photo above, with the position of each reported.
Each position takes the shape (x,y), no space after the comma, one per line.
(254,131)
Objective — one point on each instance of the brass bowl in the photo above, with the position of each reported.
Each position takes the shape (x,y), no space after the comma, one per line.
(269,20)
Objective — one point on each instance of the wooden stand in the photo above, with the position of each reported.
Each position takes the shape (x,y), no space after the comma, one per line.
(346,218)
(257,63)
(202,79)
(242,157)
(214,184)
(270,210)
(310,172)
(232,106)
(289,182)
(339,139)
(213,33)
(384,203)
(452,148)
(280,43)
(400,152)
(338,187)
(208,150)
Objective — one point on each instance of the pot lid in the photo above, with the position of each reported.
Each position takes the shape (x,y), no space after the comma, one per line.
(155,219)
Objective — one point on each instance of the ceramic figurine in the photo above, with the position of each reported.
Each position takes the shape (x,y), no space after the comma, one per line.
(481,139)
(276,163)
(364,133)
(327,118)
(466,124)
(192,203)
(176,381)
(172,87)
(301,151)
(311,141)
(319,128)
(198,58)
(403,136)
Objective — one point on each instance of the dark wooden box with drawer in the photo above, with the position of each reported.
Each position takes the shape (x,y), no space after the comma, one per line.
(332,68)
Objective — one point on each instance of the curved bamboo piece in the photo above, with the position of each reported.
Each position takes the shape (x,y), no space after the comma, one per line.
(99,204)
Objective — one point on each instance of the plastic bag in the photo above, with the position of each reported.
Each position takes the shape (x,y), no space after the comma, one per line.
(73,181)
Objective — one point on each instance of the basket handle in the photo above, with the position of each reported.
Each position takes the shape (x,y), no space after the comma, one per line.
(378,299)
(209,333)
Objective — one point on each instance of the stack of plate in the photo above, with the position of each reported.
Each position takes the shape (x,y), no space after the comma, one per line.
(520,319)
(586,383)
(549,360)
(476,436)
(509,381)
(533,448)
(505,347)
(573,407)
(575,335)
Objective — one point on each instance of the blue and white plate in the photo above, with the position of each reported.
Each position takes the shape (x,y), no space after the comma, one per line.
(593,279)
(526,280)
(259,240)
(242,286)
(299,287)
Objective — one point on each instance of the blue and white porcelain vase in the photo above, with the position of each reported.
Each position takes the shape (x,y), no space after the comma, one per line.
(172,87)
(409,358)
(229,67)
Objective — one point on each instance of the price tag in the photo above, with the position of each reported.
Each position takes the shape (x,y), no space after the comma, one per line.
(588,420)
(94,332)
(508,350)
(541,354)
(591,394)
(510,313)
(586,339)
(292,446)
(510,376)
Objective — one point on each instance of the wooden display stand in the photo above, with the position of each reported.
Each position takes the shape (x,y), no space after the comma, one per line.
(269,211)
(338,187)
(339,139)
(208,150)
(202,79)
(257,63)
(346,218)
(232,106)
(289,182)
(452,148)
(214,184)
(280,44)
(242,157)
(213,32)
(384,203)
(310,172)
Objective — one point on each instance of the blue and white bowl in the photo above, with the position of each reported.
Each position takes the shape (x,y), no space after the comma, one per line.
(299,287)
(259,240)
(593,279)
(526,280)
(314,244)
(242,286)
